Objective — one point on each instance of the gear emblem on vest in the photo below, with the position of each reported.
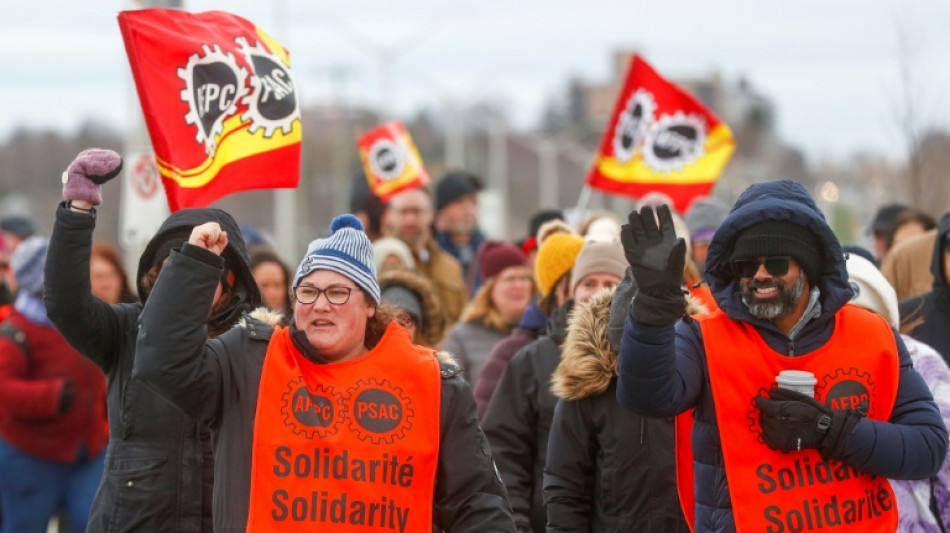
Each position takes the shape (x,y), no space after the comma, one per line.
(378,411)
(847,389)
(753,416)
(312,412)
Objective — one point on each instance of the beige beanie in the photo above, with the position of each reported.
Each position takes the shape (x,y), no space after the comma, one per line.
(599,257)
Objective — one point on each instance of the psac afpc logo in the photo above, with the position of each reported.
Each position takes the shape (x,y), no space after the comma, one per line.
(256,86)
(667,142)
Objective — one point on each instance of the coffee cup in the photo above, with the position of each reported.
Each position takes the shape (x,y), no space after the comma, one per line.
(802,381)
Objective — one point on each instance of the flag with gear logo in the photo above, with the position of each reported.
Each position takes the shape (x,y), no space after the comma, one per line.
(391,160)
(219,102)
(660,138)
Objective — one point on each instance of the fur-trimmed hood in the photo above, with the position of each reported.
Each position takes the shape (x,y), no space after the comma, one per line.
(587,363)
(433,320)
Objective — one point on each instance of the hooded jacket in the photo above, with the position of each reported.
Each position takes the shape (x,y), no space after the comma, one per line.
(518,420)
(433,321)
(218,380)
(158,472)
(663,368)
(927,315)
(608,469)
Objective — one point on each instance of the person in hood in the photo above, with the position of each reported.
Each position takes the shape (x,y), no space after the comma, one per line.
(413,294)
(926,316)
(519,414)
(768,458)
(923,505)
(335,423)
(159,467)
(607,469)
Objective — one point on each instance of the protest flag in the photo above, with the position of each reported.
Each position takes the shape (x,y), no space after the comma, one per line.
(660,138)
(391,160)
(219,103)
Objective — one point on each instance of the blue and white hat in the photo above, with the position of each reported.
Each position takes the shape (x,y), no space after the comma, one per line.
(346,251)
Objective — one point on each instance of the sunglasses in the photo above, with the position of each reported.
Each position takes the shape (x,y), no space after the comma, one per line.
(746,268)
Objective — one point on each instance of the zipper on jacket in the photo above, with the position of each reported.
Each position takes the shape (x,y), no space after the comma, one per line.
(791,348)
(642,427)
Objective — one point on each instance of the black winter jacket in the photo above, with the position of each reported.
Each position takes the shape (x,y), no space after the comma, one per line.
(929,314)
(158,471)
(662,369)
(608,469)
(217,381)
(518,420)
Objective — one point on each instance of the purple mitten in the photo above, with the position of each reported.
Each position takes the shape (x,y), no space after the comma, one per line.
(85,175)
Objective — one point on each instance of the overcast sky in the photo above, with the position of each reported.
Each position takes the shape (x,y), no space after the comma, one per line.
(831,67)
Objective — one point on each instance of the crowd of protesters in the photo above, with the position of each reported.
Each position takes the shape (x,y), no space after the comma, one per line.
(408,372)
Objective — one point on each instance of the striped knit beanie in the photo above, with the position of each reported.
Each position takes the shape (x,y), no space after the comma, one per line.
(346,251)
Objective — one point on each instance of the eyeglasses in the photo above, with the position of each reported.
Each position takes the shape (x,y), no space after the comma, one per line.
(307,294)
(746,268)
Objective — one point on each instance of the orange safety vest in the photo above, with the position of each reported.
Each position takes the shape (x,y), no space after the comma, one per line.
(349,446)
(774,491)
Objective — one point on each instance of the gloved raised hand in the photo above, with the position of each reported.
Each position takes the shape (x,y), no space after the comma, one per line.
(791,420)
(657,257)
(83,180)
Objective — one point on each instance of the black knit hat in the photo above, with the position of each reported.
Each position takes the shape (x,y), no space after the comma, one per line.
(773,238)
(455,185)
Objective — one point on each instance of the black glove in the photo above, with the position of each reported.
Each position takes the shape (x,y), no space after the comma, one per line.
(67,397)
(791,420)
(657,257)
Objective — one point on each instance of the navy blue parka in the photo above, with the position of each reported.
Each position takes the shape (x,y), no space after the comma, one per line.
(663,368)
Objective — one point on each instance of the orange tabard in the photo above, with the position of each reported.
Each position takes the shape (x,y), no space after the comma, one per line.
(350,446)
(773,491)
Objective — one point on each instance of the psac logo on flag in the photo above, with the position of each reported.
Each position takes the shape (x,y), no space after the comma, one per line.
(216,88)
(391,160)
(668,142)
(219,101)
(660,138)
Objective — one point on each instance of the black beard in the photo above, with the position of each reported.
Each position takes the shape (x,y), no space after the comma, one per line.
(787,297)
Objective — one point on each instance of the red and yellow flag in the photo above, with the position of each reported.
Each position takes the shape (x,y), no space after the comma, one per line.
(219,102)
(660,138)
(391,160)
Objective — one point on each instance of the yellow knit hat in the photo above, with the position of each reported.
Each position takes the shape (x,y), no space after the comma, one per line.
(555,258)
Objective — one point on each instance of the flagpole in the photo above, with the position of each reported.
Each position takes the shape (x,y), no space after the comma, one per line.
(575,217)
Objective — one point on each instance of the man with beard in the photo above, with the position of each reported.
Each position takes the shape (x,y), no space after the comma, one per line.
(769,458)
(409,218)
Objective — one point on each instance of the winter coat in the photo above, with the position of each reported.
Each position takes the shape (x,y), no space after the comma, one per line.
(217,381)
(433,320)
(467,257)
(158,467)
(518,421)
(529,329)
(446,274)
(927,315)
(608,469)
(471,343)
(916,498)
(663,368)
(31,392)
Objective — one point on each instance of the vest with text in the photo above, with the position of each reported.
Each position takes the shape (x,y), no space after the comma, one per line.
(774,491)
(348,446)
